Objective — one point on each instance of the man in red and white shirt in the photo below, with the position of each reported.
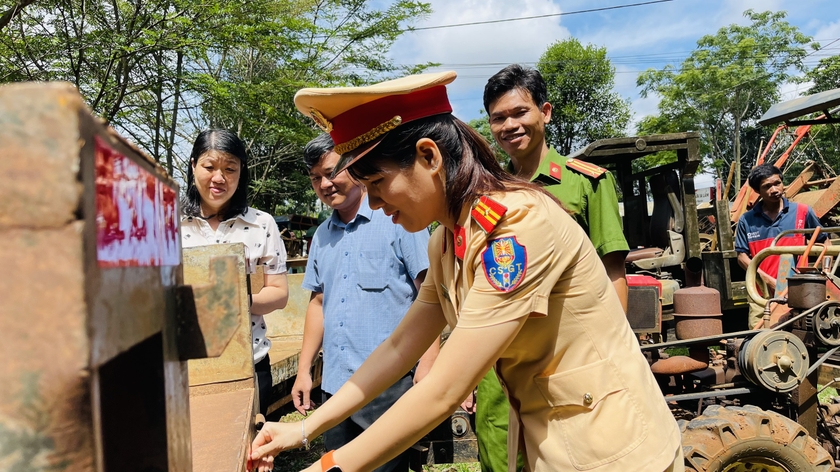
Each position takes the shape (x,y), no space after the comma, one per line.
(771,215)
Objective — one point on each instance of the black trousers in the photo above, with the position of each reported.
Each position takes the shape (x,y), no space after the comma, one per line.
(262,370)
(353,426)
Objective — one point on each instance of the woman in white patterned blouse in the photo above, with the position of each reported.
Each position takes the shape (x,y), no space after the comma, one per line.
(216,211)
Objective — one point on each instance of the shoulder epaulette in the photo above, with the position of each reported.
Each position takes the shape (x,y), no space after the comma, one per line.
(585,168)
(487,213)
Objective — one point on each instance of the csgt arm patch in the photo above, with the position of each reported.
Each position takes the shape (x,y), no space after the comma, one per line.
(504,261)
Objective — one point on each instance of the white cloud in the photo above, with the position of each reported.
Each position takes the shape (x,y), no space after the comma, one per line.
(636,38)
(478,52)
(733,10)
(789,91)
(827,33)
(496,42)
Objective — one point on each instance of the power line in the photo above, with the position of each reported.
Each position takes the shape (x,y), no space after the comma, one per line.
(550,15)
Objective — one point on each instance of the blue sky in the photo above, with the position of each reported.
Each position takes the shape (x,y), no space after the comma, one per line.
(636,38)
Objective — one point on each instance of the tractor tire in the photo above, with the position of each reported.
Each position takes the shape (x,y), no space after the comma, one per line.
(749,439)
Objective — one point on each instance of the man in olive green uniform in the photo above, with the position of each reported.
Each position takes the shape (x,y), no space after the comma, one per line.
(516,103)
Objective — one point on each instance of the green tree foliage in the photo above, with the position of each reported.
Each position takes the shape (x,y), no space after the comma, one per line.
(162,70)
(825,146)
(726,84)
(825,76)
(482,126)
(580,81)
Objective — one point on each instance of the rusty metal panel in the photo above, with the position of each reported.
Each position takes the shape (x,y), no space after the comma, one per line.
(209,314)
(40,155)
(288,322)
(236,362)
(222,430)
(45,417)
(809,198)
(828,200)
(65,314)
(127,306)
(801,180)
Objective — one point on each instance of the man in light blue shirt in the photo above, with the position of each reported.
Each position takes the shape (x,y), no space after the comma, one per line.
(364,272)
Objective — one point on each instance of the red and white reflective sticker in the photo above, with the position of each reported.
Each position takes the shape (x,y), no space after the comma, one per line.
(136,214)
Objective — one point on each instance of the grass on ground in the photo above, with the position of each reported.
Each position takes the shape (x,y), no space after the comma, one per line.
(826,395)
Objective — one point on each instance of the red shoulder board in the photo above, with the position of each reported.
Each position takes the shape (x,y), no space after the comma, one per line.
(487,213)
(556,171)
(585,168)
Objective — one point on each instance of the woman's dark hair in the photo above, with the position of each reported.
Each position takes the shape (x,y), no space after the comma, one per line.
(761,172)
(223,141)
(512,77)
(316,149)
(470,165)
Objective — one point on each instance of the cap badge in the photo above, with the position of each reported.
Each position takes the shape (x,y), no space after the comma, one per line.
(321,120)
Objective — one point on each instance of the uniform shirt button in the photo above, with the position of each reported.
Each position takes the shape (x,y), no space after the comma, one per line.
(342,300)
(341,323)
(346,253)
(587,398)
(345,276)
(342,348)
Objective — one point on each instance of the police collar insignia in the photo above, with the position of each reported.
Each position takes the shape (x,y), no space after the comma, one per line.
(460,237)
(504,262)
(555,171)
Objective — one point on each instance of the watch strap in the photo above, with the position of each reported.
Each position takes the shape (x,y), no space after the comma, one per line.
(328,463)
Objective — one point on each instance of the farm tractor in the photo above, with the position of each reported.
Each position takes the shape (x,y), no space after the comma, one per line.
(746,397)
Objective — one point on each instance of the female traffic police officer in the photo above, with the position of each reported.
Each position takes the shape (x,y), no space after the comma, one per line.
(515,278)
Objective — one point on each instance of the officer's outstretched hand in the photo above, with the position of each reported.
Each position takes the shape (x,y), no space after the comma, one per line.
(273,439)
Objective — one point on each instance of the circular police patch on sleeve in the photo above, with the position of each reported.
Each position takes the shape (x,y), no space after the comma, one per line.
(504,262)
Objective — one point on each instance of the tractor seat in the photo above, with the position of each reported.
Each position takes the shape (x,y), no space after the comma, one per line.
(666,225)
(643,253)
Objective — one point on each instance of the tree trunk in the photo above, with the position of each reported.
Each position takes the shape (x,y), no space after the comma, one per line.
(738,150)
(12,12)
(158,106)
(174,113)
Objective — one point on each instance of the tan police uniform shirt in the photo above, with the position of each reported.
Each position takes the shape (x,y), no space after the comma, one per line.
(576,378)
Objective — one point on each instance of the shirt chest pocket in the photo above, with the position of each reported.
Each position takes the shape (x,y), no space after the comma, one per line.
(374,269)
(594,412)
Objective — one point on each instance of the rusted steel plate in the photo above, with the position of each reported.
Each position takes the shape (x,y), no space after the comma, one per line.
(40,148)
(237,360)
(289,321)
(828,200)
(809,198)
(222,427)
(65,318)
(44,352)
(209,314)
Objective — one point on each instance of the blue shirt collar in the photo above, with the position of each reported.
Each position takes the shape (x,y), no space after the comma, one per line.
(365,211)
(759,207)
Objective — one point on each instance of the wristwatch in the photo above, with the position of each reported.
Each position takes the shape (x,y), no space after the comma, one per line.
(328,463)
